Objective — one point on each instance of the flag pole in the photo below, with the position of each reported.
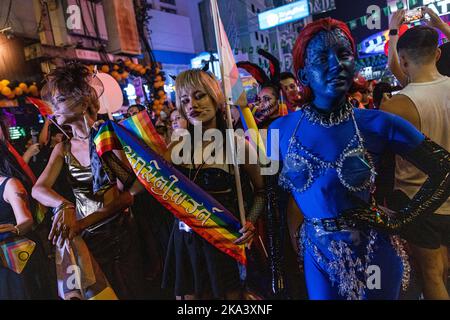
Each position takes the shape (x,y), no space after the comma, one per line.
(229,101)
(230,132)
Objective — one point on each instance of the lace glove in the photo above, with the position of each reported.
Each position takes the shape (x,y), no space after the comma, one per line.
(258,207)
(119,170)
(434,161)
(274,236)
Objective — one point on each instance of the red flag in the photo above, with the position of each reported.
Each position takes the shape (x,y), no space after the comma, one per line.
(43,107)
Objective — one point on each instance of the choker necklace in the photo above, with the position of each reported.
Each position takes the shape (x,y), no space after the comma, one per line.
(329,120)
(79,137)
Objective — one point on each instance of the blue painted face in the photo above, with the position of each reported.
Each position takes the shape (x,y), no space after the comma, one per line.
(329,68)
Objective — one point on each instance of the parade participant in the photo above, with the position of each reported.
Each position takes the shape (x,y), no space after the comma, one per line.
(194,267)
(424,102)
(269,89)
(398,18)
(98,214)
(329,153)
(16,223)
(291,91)
(177,121)
(134,109)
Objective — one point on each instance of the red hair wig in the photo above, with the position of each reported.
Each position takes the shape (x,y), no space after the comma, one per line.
(306,35)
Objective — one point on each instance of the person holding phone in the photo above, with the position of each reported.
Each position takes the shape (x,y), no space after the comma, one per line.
(425,103)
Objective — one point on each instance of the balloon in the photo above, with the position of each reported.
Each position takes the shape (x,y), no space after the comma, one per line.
(18,91)
(24,87)
(105,68)
(6,91)
(112,98)
(34,90)
(401,31)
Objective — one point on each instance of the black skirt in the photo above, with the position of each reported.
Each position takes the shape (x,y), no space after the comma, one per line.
(193,266)
(115,247)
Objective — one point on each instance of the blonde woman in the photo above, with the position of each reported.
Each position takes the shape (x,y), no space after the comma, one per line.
(195,268)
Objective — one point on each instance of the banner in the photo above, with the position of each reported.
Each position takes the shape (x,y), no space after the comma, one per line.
(183,198)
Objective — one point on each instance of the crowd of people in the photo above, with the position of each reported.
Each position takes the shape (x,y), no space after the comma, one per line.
(359,208)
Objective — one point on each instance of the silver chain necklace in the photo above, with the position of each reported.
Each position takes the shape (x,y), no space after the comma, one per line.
(328,120)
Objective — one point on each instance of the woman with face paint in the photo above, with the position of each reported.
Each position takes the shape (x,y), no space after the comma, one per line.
(98,215)
(268,108)
(194,267)
(330,153)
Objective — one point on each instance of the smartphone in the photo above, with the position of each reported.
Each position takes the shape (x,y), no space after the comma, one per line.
(414,15)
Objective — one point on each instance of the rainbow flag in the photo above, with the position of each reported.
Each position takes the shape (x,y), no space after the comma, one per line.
(183,198)
(141,125)
(105,140)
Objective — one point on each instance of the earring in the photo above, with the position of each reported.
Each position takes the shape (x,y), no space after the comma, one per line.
(86,124)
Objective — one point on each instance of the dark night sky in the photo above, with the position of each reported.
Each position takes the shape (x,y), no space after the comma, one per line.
(347,10)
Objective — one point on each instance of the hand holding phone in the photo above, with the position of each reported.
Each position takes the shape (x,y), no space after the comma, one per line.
(414,15)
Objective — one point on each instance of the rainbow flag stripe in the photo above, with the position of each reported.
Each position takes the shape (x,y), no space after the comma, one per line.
(106,140)
(142,126)
(183,198)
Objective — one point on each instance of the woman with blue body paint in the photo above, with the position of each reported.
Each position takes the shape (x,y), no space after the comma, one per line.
(329,153)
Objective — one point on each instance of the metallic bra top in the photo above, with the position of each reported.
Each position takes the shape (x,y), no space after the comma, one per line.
(80,179)
(301,167)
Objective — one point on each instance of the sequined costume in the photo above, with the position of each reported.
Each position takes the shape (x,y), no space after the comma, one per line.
(112,241)
(325,164)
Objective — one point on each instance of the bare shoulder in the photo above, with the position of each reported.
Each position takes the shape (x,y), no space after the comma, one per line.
(15,189)
(15,185)
(402,106)
(59,149)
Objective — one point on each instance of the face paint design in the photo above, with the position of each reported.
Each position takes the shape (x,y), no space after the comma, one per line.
(329,67)
(268,107)
(198,106)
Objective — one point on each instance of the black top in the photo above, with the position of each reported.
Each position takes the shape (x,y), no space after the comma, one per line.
(6,211)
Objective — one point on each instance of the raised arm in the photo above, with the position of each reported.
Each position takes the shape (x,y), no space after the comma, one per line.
(436,22)
(44,135)
(393,60)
